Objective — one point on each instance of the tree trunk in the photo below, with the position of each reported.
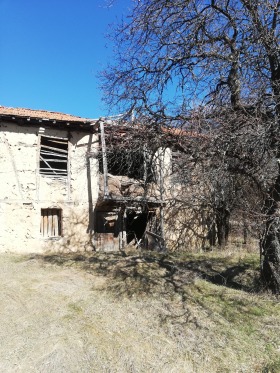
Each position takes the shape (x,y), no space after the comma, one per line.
(222,222)
(270,245)
(212,234)
(245,231)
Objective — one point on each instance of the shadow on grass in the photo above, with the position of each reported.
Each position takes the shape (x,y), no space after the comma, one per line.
(152,273)
(239,276)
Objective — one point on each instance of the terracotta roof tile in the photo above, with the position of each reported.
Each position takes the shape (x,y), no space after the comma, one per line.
(42,114)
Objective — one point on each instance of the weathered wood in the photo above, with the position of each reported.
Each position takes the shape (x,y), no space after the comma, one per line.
(56,149)
(54,154)
(50,222)
(104,160)
(55,225)
(54,160)
(161,186)
(61,157)
(45,225)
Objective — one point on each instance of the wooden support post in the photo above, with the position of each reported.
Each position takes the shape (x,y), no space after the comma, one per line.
(104,159)
(161,186)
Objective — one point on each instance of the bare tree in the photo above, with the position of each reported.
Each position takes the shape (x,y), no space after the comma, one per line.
(212,66)
(265,27)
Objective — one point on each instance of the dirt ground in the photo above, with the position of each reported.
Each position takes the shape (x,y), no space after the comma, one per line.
(56,319)
(138,313)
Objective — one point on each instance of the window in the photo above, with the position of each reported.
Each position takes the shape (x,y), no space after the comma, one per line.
(106,221)
(51,222)
(53,157)
(125,162)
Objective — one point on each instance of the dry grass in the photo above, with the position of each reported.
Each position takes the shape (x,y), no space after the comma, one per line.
(137,313)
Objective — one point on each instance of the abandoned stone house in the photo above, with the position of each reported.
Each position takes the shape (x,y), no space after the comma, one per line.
(58,193)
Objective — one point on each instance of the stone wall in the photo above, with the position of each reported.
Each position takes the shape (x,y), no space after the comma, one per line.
(24,192)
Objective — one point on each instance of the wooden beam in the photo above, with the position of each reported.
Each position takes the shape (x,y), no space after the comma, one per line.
(104,159)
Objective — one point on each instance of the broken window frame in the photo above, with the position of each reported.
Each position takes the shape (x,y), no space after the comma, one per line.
(135,165)
(53,160)
(125,162)
(106,221)
(51,222)
(121,159)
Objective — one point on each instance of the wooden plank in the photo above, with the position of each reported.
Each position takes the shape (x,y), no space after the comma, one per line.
(45,152)
(42,159)
(53,160)
(61,177)
(58,141)
(46,172)
(154,235)
(50,224)
(52,138)
(57,171)
(161,188)
(53,148)
(45,223)
(104,159)
(69,169)
(42,225)
(55,223)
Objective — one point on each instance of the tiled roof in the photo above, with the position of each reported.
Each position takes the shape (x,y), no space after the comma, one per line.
(41,115)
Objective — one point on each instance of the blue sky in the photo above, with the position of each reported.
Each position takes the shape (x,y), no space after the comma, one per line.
(51,52)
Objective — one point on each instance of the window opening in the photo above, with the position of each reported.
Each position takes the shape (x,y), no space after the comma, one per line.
(126,163)
(106,222)
(132,164)
(53,157)
(51,222)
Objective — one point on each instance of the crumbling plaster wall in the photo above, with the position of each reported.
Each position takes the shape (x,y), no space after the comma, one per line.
(24,192)
(185,215)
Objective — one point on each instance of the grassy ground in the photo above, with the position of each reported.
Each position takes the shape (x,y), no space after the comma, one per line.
(137,313)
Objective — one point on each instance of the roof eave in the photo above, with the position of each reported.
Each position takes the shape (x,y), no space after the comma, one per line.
(58,123)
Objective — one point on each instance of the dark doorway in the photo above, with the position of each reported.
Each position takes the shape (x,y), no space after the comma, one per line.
(136,224)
